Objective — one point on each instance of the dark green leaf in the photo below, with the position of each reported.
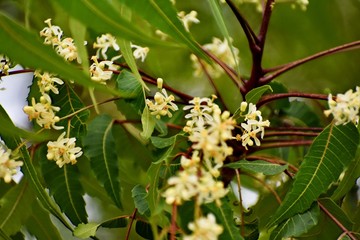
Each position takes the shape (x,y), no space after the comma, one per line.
(3,235)
(100,149)
(144,230)
(139,195)
(163,142)
(71,104)
(120,222)
(128,86)
(329,154)
(255,94)
(65,187)
(258,166)
(302,114)
(16,207)
(297,225)
(34,54)
(337,212)
(163,16)
(86,230)
(40,224)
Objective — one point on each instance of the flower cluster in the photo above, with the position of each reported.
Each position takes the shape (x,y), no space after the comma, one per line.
(64,47)
(5,64)
(63,150)
(101,71)
(345,108)
(47,82)
(43,112)
(163,103)
(204,228)
(8,164)
(188,19)
(223,51)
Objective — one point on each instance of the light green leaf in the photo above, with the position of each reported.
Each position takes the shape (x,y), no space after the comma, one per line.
(86,230)
(224,217)
(148,123)
(16,207)
(104,17)
(349,179)
(100,149)
(139,195)
(258,166)
(329,154)
(162,15)
(40,224)
(163,142)
(64,185)
(255,94)
(128,86)
(34,54)
(297,225)
(78,32)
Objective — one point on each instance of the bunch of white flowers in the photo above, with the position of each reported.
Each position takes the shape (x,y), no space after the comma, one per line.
(204,228)
(47,82)
(63,150)
(64,47)
(8,164)
(101,71)
(163,102)
(345,108)
(223,51)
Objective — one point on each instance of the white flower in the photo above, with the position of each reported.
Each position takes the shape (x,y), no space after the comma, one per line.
(210,190)
(68,50)
(101,71)
(103,43)
(187,19)
(63,151)
(346,107)
(200,110)
(222,50)
(43,112)
(47,82)
(8,165)
(51,33)
(162,104)
(5,64)
(204,228)
(140,52)
(162,35)
(301,3)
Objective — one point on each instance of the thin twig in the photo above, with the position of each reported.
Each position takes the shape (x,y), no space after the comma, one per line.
(291,143)
(268,98)
(290,133)
(336,221)
(284,68)
(132,218)
(292,128)
(16,72)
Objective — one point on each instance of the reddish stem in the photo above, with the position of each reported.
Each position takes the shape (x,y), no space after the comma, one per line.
(132,218)
(173,227)
(273,97)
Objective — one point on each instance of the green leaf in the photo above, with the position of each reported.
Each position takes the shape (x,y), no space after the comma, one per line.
(71,104)
(225,217)
(34,54)
(148,123)
(64,185)
(255,94)
(40,224)
(86,230)
(302,114)
(30,172)
(144,230)
(104,17)
(329,154)
(100,149)
(16,207)
(258,166)
(139,195)
(163,142)
(349,179)
(128,86)
(162,15)
(3,235)
(337,212)
(297,225)
(119,222)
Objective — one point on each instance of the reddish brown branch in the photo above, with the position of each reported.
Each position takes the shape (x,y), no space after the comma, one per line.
(273,97)
(132,218)
(290,133)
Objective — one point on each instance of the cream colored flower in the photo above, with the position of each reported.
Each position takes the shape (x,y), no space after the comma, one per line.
(346,107)
(204,228)
(63,151)
(188,19)
(47,82)
(8,165)
(222,50)
(101,71)
(52,34)
(200,111)
(67,49)
(103,43)
(43,113)
(140,52)
(5,64)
